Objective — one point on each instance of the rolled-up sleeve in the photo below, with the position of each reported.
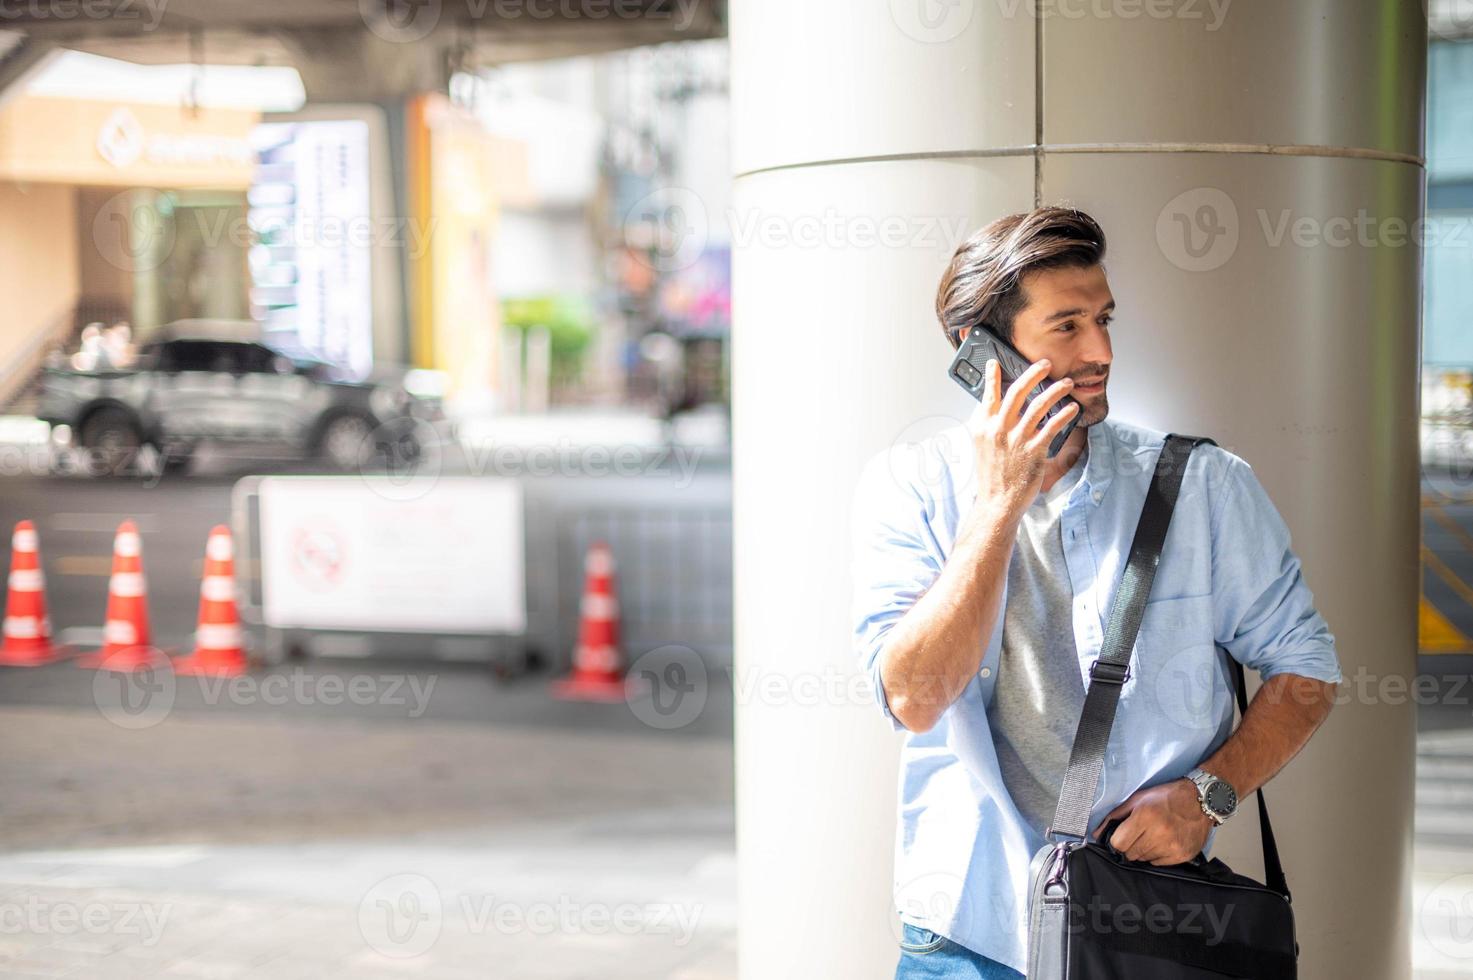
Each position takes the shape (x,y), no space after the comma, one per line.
(1263,611)
(895,560)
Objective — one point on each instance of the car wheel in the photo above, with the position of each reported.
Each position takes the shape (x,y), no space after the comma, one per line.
(347,441)
(113,439)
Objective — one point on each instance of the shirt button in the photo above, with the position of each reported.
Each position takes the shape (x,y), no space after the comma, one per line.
(1098,494)
(986,671)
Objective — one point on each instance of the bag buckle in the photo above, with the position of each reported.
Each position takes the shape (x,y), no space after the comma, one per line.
(1061,836)
(1109,672)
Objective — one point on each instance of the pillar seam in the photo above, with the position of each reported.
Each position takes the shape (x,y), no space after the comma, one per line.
(1038,140)
(1249,149)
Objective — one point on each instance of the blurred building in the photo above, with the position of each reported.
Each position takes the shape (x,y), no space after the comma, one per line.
(623,230)
(117,210)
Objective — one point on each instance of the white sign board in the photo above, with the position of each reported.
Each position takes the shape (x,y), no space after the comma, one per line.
(337,553)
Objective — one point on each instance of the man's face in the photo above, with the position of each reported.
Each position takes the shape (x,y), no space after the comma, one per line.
(1066,320)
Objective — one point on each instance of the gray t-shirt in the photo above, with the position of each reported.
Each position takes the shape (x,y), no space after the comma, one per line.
(1038,695)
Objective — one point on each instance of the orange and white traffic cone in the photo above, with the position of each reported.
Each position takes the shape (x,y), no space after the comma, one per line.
(218,650)
(125,639)
(27,627)
(598,669)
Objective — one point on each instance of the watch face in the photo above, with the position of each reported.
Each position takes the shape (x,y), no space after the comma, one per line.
(1221,797)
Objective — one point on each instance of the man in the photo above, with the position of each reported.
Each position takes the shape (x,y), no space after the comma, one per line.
(985,572)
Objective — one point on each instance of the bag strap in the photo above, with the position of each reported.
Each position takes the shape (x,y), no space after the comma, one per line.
(1109,671)
(1273,870)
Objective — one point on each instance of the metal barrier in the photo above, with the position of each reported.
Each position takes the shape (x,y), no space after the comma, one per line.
(673,574)
(673,554)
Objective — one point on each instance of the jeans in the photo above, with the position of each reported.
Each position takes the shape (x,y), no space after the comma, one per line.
(924,953)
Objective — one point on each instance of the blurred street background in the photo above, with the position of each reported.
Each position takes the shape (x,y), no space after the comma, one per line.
(435,322)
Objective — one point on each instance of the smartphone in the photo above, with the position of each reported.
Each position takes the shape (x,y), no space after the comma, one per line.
(968,369)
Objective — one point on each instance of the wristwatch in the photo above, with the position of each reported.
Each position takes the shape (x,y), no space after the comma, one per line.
(1218,798)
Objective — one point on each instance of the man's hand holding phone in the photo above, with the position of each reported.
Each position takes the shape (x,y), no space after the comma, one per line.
(1011,445)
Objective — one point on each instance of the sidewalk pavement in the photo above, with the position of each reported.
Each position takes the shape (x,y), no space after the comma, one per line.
(268,845)
(622,898)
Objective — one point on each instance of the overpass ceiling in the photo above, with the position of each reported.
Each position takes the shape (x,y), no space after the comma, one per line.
(235,32)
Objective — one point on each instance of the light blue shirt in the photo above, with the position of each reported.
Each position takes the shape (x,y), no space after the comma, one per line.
(1227,577)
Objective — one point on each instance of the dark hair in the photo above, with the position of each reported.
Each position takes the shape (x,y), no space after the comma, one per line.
(983,284)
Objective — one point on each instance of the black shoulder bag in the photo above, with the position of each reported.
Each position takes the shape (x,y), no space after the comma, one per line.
(1095,915)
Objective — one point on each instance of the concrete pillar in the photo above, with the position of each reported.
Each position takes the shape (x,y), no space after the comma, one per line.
(1257,168)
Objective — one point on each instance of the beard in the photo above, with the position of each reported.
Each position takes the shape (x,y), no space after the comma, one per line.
(1093,411)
